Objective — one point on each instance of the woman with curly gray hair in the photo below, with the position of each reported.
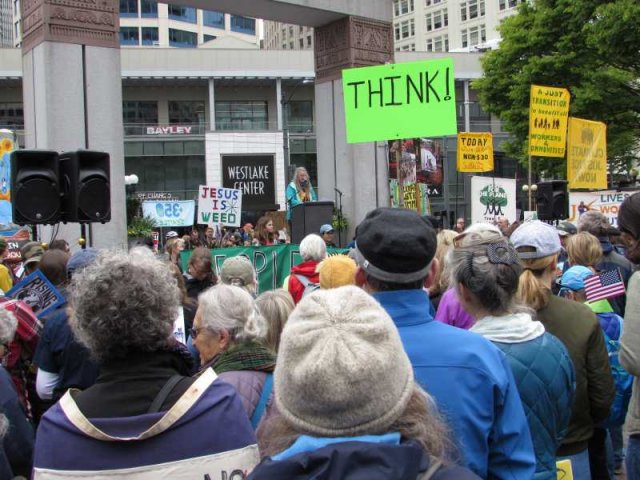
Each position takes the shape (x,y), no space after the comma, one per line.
(145,414)
(16,433)
(228,332)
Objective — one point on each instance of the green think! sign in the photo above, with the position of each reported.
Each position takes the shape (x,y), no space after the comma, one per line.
(402,100)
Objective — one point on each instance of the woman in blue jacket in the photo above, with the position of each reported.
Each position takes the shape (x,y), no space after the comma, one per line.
(348,405)
(485,272)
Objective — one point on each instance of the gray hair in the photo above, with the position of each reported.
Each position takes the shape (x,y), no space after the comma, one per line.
(8,326)
(594,222)
(225,307)
(275,306)
(493,284)
(312,247)
(124,302)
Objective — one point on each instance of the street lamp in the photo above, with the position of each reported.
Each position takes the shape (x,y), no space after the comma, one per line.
(285,126)
(530,189)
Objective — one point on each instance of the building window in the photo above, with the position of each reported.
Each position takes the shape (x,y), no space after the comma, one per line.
(291,45)
(438,44)
(405,29)
(213,19)
(428,3)
(149,35)
(180,38)
(401,7)
(437,19)
(301,43)
(243,25)
(300,116)
(471,9)
(149,8)
(11,115)
(504,4)
(129,36)
(136,113)
(241,115)
(128,8)
(207,38)
(473,36)
(183,14)
(308,40)
(185,113)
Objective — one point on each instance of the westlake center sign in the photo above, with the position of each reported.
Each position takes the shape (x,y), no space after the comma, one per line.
(402,100)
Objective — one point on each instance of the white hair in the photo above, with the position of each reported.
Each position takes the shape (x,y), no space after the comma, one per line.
(481,227)
(312,247)
(8,326)
(226,307)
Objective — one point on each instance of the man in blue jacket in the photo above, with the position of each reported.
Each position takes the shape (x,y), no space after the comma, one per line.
(468,376)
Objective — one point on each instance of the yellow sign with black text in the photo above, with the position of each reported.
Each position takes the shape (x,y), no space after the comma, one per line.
(475,152)
(548,112)
(587,154)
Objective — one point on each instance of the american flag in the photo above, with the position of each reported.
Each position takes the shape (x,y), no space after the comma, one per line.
(608,284)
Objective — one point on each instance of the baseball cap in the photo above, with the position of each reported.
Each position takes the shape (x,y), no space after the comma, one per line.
(31,252)
(566,228)
(537,235)
(326,228)
(171,234)
(574,278)
(80,260)
(395,245)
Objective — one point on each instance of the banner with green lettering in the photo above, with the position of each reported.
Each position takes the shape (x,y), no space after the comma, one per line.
(273,264)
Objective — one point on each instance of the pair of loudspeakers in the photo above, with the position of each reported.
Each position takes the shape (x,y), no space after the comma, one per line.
(47,187)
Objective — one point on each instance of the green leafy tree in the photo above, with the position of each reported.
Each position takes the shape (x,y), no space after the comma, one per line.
(587,46)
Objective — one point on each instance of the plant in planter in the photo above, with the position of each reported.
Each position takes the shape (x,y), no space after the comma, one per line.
(339,221)
(140,227)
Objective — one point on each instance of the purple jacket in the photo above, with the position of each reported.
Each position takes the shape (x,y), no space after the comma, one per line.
(450,311)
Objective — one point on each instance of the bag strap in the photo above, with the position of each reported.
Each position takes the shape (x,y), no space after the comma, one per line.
(163,394)
(262,403)
(303,280)
(433,469)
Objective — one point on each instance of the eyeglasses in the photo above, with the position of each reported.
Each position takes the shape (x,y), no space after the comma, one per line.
(194,332)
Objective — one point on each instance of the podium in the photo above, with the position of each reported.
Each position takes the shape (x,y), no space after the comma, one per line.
(308,217)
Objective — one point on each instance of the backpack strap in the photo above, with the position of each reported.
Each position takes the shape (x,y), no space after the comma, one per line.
(433,469)
(262,403)
(164,393)
(303,280)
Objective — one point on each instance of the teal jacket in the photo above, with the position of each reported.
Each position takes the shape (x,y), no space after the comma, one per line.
(293,199)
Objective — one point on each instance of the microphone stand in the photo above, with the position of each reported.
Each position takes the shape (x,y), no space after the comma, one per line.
(339,216)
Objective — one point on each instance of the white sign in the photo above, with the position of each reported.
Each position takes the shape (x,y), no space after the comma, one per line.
(169,130)
(219,206)
(178,327)
(170,213)
(607,202)
(491,198)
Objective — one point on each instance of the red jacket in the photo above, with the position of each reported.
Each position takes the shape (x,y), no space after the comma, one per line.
(307,269)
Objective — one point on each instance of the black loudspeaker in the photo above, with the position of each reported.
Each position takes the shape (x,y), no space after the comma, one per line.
(35,191)
(552,200)
(85,185)
(308,217)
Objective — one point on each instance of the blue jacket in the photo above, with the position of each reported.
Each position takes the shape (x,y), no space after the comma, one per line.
(472,384)
(546,382)
(206,433)
(356,458)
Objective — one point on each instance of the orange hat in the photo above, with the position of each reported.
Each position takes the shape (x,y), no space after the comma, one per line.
(337,271)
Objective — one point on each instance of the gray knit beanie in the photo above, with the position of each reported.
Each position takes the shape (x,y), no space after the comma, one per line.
(341,369)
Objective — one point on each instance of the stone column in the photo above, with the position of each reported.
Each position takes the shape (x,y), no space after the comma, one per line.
(359,171)
(72,91)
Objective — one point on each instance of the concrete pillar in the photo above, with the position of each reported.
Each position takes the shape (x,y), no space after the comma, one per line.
(72,91)
(212,105)
(279,103)
(359,171)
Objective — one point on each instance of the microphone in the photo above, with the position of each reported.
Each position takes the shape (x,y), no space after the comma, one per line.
(339,192)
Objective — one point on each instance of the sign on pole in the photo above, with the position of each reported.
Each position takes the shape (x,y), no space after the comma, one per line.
(219,206)
(587,155)
(171,213)
(475,152)
(548,112)
(608,202)
(492,198)
(402,100)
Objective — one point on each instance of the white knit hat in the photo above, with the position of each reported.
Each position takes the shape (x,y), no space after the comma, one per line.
(341,369)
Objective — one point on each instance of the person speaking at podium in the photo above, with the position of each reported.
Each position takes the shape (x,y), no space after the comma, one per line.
(300,191)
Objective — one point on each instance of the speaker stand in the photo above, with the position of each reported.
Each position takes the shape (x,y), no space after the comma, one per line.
(83,235)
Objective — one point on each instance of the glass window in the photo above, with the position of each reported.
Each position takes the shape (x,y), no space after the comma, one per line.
(308,40)
(180,175)
(300,116)
(241,115)
(185,113)
(213,19)
(11,115)
(243,25)
(180,38)
(149,35)
(129,36)
(128,8)
(149,8)
(465,39)
(428,3)
(184,14)
(207,38)
(136,114)
(463,11)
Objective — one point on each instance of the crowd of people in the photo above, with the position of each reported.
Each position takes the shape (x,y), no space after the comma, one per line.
(421,354)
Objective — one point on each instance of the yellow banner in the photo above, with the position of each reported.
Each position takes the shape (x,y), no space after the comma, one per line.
(475,152)
(564,470)
(587,155)
(548,112)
